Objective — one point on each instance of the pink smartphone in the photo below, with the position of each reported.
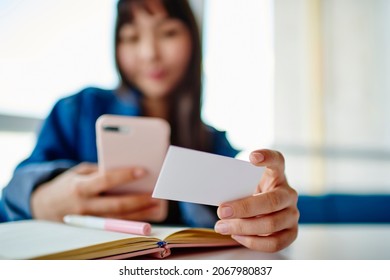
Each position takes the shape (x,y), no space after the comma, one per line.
(124,141)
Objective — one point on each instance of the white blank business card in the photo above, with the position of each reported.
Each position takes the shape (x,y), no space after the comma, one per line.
(204,178)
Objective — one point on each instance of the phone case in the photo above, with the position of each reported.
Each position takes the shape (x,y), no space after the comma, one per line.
(124,141)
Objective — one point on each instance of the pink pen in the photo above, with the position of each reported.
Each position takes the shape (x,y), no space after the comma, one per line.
(138,228)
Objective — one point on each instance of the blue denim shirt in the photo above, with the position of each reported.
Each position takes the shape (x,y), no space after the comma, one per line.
(68,137)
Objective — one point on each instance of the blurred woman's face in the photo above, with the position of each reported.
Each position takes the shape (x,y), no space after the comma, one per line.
(154,51)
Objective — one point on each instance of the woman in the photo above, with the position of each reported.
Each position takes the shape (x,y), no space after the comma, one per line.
(158,58)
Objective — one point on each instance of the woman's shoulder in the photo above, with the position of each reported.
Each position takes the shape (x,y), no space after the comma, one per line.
(85,100)
(90,94)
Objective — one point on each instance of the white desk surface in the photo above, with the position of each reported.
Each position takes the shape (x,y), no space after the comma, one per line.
(314,242)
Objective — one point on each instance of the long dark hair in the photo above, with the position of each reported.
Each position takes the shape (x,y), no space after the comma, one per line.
(187,128)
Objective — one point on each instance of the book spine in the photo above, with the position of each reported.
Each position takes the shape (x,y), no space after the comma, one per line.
(163,253)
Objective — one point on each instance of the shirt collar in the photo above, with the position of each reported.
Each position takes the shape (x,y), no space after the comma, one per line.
(127,102)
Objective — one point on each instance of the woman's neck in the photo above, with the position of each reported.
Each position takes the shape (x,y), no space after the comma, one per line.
(156,107)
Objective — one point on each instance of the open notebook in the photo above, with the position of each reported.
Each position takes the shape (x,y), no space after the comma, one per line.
(36,239)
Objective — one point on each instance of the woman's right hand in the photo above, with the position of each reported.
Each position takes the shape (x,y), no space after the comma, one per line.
(80,190)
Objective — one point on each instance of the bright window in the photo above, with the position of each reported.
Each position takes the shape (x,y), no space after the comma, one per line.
(53,48)
(238,67)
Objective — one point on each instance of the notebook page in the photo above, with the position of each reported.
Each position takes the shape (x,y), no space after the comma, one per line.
(33,238)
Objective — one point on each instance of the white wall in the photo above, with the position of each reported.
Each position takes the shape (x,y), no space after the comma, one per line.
(332,62)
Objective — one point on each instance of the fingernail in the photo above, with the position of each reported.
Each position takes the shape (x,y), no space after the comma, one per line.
(257,157)
(138,172)
(221,228)
(226,212)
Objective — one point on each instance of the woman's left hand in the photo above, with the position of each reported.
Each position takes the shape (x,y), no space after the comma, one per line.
(268,220)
